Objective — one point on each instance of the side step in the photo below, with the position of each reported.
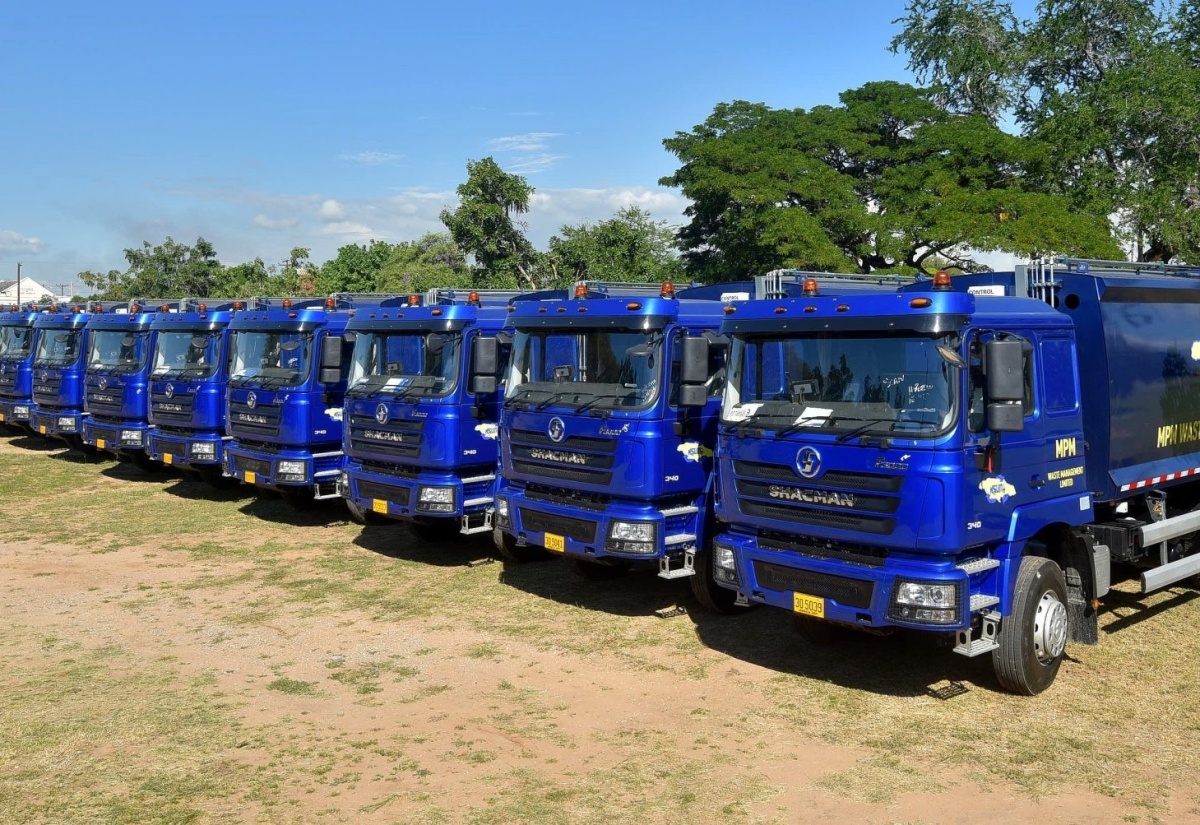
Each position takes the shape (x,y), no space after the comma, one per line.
(986,642)
(473,523)
(688,569)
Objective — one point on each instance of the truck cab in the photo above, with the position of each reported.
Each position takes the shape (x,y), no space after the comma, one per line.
(17,351)
(57,373)
(189,374)
(422,410)
(287,381)
(116,398)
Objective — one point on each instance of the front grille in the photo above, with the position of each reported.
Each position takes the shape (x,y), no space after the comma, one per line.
(110,434)
(569,498)
(397,470)
(577,529)
(844,591)
(385,492)
(400,439)
(868,482)
(47,392)
(178,407)
(837,499)
(576,459)
(823,518)
(8,383)
(864,556)
(263,419)
(245,464)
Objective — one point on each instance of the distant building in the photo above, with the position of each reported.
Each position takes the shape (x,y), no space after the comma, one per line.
(31,290)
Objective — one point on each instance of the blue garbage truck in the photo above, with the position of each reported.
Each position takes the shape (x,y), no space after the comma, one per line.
(58,372)
(189,373)
(17,351)
(608,424)
(975,456)
(116,397)
(289,359)
(422,410)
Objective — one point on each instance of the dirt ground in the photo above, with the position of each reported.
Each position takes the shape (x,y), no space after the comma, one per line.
(465,709)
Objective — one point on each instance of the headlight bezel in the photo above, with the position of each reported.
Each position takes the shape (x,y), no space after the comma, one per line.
(927,603)
(437,499)
(636,538)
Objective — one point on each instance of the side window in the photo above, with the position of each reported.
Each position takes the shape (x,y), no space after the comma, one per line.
(1058,374)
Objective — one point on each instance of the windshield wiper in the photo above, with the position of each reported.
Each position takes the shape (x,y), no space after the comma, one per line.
(555,397)
(417,382)
(862,428)
(802,422)
(591,402)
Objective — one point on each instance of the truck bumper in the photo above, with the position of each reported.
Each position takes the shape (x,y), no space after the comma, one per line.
(116,437)
(16,411)
(623,530)
(186,450)
(289,467)
(56,423)
(425,495)
(863,594)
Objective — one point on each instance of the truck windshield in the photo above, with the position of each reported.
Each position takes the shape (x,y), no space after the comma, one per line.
(412,363)
(118,350)
(593,369)
(895,385)
(57,347)
(14,342)
(278,358)
(186,354)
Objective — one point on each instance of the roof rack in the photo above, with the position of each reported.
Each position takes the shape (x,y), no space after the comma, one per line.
(771,284)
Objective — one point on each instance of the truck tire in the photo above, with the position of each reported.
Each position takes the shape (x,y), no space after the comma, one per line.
(437,529)
(1033,638)
(599,571)
(506,545)
(711,595)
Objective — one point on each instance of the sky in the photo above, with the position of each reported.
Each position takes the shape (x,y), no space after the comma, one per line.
(263,126)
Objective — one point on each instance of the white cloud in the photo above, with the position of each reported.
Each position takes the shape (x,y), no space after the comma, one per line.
(528,142)
(371,158)
(264,222)
(532,164)
(16,242)
(350,231)
(331,210)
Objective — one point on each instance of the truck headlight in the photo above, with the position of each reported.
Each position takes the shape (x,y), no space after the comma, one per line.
(131,438)
(204,449)
(66,423)
(435,499)
(724,562)
(20,411)
(632,537)
(288,470)
(926,602)
(501,514)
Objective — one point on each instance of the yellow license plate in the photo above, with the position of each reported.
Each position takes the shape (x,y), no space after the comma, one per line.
(249,478)
(379,505)
(99,443)
(42,430)
(555,542)
(168,458)
(808,605)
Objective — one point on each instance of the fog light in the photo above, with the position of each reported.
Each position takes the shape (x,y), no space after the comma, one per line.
(725,564)
(131,438)
(435,499)
(638,537)
(926,602)
(501,514)
(66,424)
(204,449)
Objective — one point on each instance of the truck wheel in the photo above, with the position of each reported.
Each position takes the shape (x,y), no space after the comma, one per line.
(599,571)
(1033,638)
(437,529)
(506,545)
(299,498)
(711,595)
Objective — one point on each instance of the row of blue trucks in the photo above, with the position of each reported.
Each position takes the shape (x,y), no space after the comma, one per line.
(975,457)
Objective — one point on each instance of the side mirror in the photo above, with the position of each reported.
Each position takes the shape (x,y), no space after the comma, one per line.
(693,361)
(1004,386)
(485,360)
(693,395)
(1005,418)
(331,352)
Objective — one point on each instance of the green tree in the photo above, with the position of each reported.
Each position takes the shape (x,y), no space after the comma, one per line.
(485,228)
(628,247)
(887,181)
(1110,89)
(431,261)
(169,270)
(355,269)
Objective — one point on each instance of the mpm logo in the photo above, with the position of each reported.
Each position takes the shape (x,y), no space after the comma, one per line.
(1064,448)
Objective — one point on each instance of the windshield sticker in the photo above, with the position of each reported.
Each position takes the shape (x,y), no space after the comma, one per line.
(814,417)
(742,411)
(488,431)
(335,413)
(997,489)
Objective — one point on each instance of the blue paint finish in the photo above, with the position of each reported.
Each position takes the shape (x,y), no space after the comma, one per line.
(18,347)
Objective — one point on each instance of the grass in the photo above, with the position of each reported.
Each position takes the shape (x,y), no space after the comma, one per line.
(483,694)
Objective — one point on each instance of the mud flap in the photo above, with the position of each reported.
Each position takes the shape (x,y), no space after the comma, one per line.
(1082,619)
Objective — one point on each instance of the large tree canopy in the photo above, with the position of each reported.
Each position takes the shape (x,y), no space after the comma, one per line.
(484,226)
(887,181)
(169,270)
(1109,89)
(628,247)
